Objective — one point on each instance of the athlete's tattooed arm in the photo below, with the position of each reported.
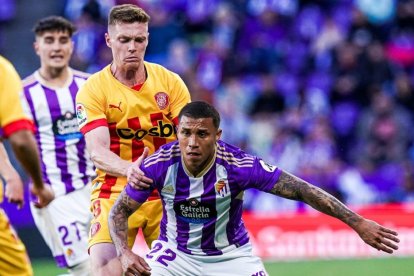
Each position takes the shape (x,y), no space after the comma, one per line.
(118,228)
(292,187)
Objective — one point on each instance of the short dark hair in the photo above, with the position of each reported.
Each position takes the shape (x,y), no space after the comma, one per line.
(54,23)
(200,109)
(127,13)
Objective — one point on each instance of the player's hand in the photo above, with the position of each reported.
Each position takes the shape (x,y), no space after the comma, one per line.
(134,265)
(135,176)
(44,195)
(377,236)
(14,189)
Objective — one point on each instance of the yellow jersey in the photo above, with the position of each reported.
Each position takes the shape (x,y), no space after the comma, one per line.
(135,119)
(12,117)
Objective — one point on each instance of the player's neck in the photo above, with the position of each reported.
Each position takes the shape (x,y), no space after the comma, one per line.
(55,77)
(200,169)
(129,76)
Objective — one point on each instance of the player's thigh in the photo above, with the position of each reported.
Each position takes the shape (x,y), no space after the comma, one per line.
(152,211)
(165,260)
(99,231)
(64,225)
(241,266)
(13,256)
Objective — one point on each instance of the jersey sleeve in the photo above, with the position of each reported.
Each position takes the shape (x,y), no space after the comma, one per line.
(90,107)
(261,176)
(180,96)
(12,116)
(141,195)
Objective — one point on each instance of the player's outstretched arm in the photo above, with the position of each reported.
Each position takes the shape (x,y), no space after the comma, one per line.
(25,149)
(124,206)
(377,236)
(98,146)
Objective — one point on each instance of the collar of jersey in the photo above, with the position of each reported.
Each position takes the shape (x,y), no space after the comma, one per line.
(205,170)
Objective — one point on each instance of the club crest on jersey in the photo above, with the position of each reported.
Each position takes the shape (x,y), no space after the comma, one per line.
(267,167)
(169,189)
(221,187)
(162,100)
(81,115)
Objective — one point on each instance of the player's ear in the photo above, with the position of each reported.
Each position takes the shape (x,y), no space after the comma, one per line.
(36,47)
(218,134)
(108,40)
(72,43)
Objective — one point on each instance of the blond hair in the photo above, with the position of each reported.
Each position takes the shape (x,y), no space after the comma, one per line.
(127,13)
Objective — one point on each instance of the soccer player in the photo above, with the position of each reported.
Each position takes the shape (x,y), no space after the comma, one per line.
(49,97)
(201,181)
(128,105)
(17,128)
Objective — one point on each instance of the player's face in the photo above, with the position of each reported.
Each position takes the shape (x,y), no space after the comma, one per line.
(54,49)
(197,138)
(128,43)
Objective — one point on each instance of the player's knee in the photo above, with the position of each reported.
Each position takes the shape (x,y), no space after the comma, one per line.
(110,267)
(82,269)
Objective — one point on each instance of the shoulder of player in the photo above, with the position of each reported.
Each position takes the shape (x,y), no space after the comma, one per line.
(233,155)
(81,74)
(94,82)
(29,80)
(168,153)
(5,64)
(97,76)
(158,69)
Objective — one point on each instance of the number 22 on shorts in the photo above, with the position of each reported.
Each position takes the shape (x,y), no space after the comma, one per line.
(163,256)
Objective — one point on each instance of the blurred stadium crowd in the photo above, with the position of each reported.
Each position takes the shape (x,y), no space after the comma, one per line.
(323,89)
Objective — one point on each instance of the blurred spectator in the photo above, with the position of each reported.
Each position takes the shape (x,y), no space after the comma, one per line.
(98,9)
(330,36)
(385,131)
(404,92)
(377,11)
(164,29)
(354,188)
(89,36)
(179,57)
(268,101)
(379,68)
(404,192)
(259,36)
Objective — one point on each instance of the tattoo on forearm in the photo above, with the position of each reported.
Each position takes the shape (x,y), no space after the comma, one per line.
(118,220)
(292,187)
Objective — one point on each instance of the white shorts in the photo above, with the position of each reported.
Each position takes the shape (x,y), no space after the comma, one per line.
(166,260)
(64,225)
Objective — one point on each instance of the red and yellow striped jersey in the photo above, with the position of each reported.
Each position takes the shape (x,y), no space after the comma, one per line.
(135,119)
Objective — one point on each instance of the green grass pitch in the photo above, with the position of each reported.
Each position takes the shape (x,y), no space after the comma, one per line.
(392,266)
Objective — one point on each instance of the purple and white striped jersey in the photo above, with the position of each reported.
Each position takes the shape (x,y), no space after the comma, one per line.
(64,160)
(203,215)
